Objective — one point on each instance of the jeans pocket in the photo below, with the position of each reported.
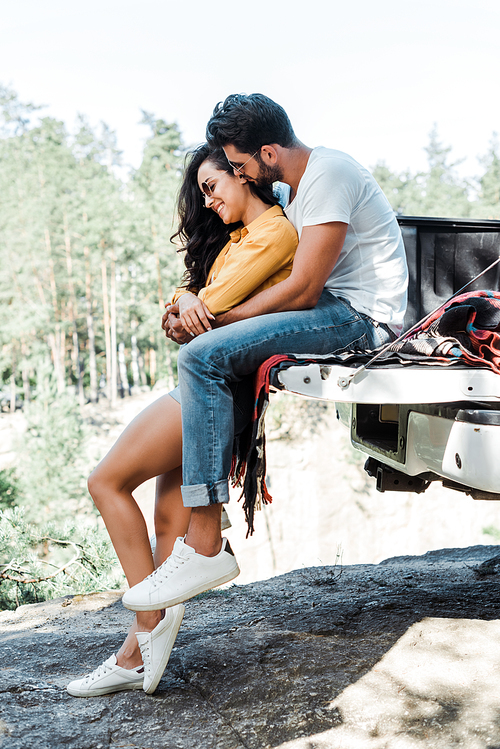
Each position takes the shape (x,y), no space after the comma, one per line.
(379,334)
(359,344)
(352,313)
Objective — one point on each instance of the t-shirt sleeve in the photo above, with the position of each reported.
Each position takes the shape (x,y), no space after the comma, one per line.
(333,191)
(261,254)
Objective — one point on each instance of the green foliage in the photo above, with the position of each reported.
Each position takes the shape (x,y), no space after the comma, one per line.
(444,193)
(52,461)
(14,116)
(44,552)
(87,265)
(492,531)
(9,489)
(37,563)
(86,257)
(488,203)
(440,191)
(154,188)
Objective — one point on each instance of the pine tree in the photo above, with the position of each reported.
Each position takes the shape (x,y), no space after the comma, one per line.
(37,563)
(488,202)
(157,272)
(444,193)
(439,191)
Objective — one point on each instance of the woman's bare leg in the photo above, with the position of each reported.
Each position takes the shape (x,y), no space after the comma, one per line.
(150,446)
(171,517)
(171,520)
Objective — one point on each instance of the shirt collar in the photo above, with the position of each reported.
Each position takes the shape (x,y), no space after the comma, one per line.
(238,234)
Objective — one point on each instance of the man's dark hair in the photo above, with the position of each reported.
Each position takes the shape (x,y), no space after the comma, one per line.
(249,122)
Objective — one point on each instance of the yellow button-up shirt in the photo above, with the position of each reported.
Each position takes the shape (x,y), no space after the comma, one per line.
(257,256)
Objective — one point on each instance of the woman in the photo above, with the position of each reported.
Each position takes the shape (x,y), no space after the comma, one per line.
(237,248)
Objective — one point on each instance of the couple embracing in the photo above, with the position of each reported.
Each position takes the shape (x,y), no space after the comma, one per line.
(325,274)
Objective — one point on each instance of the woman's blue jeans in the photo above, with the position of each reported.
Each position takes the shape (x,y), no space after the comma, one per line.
(211,366)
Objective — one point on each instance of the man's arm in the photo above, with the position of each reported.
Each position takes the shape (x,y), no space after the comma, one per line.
(318,251)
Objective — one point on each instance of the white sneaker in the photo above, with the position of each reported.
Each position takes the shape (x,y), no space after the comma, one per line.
(184,574)
(157,645)
(107,678)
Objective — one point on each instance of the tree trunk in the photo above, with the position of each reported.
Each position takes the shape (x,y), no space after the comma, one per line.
(62,353)
(54,342)
(94,397)
(25,372)
(106,321)
(26,385)
(134,354)
(72,308)
(114,369)
(58,350)
(123,369)
(158,267)
(77,367)
(134,350)
(90,329)
(152,364)
(13,393)
(142,370)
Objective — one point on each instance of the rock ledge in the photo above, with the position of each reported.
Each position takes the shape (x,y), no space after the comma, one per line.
(391,656)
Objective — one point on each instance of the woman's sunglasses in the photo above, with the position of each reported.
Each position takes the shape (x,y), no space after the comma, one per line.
(207,190)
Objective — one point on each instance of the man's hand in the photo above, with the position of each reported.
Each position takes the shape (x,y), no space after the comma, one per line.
(172,325)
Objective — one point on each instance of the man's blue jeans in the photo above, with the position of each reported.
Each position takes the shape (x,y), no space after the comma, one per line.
(211,365)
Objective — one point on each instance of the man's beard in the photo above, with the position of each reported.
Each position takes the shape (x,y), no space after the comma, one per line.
(268,174)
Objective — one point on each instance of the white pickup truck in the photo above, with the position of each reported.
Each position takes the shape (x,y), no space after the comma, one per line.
(420,423)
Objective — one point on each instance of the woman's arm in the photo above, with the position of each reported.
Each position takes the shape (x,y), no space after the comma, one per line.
(194,314)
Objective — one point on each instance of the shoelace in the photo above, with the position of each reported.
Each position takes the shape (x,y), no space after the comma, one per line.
(146,660)
(171,564)
(99,671)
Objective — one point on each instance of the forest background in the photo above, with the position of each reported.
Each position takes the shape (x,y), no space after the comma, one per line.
(87,265)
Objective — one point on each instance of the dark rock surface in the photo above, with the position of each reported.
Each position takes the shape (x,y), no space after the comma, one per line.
(392,656)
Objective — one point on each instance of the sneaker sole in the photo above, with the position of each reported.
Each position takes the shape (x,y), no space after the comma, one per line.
(162,664)
(103,690)
(167,603)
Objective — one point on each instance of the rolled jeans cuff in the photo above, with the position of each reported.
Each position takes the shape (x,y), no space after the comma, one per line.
(203,495)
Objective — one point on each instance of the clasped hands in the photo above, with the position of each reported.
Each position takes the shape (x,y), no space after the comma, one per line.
(186,319)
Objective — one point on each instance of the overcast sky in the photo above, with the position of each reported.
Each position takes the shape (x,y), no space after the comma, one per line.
(370,78)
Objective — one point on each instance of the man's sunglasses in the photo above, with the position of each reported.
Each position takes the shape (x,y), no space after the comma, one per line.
(241,166)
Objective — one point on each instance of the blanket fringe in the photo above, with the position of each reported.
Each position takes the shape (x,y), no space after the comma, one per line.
(248,467)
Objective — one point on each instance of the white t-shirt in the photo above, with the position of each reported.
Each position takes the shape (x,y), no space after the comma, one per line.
(371,271)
